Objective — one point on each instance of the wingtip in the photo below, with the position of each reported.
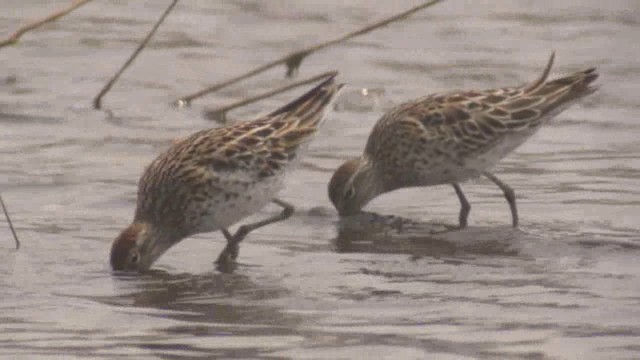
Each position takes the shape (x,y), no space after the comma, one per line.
(332,74)
(331,77)
(329,81)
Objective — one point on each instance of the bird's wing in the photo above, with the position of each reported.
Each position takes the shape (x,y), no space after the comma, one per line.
(211,161)
(471,122)
(262,147)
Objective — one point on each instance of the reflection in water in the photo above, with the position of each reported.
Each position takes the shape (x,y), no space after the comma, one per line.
(163,289)
(373,233)
(564,286)
(212,314)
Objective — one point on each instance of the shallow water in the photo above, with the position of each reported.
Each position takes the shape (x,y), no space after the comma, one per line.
(400,284)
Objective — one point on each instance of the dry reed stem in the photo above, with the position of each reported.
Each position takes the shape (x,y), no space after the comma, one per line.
(294,59)
(219,114)
(13,38)
(13,231)
(97,101)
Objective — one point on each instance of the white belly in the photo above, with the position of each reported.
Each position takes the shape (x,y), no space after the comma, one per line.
(448,171)
(239,204)
(491,157)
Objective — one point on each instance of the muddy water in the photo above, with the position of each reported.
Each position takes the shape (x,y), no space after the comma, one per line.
(399,282)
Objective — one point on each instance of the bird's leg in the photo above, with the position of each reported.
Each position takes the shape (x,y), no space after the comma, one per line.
(244,230)
(230,252)
(231,249)
(509,194)
(225,262)
(465,207)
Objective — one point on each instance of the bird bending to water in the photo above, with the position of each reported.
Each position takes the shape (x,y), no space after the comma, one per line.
(216,177)
(453,137)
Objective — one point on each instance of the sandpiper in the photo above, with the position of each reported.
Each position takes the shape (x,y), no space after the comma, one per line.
(216,177)
(452,137)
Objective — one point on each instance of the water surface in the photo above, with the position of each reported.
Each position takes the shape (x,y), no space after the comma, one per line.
(563,286)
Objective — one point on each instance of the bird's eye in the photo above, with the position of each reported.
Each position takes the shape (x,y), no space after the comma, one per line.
(350,192)
(134,258)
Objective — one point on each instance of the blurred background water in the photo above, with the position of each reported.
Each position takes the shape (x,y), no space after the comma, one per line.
(563,286)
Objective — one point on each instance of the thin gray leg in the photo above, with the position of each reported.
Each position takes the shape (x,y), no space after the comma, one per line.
(230,252)
(509,194)
(465,207)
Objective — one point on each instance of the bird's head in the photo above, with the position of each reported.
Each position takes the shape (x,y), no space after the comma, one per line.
(137,248)
(352,186)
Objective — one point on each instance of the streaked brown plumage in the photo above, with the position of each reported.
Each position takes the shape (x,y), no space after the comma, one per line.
(216,177)
(452,137)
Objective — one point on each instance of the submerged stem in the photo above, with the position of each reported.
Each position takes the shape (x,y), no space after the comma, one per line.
(13,231)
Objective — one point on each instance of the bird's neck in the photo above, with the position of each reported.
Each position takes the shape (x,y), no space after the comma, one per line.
(381,181)
(164,233)
(372,179)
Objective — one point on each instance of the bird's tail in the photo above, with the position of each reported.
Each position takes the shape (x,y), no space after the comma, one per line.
(544,99)
(564,91)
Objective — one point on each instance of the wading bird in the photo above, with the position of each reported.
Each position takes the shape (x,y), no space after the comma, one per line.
(452,137)
(215,178)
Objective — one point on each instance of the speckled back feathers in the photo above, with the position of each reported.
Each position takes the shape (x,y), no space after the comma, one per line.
(459,125)
(218,164)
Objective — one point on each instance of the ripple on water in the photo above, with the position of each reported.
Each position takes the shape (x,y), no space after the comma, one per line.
(400,283)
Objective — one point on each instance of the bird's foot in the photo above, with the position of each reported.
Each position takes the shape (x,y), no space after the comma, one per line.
(226,261)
